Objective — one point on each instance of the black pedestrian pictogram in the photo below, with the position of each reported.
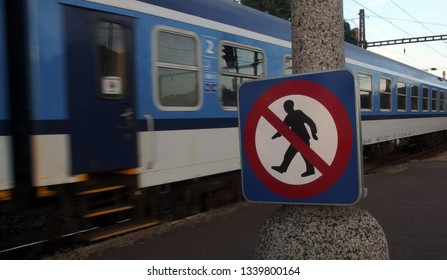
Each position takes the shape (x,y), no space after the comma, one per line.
(296,120)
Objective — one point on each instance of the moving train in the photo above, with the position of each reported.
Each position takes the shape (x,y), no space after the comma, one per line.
(128,108)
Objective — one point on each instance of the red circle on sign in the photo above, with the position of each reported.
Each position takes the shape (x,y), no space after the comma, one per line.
(342,122)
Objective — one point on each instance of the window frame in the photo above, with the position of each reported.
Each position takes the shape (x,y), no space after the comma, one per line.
(371,99)
(239,76)
(386,93)
(399,94)
(435,100)
(442,101)
(417,97)
(120,80)
(425,99)
(156,65)
(284,65)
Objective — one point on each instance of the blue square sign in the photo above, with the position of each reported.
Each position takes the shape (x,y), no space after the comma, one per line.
(300,139)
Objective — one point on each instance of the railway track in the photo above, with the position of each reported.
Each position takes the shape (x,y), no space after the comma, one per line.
(62,226)
(377,165)
(33,243)
(30,234)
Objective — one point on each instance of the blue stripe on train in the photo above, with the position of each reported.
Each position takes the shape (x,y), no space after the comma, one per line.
(414,115)
(183,124)
(63,126)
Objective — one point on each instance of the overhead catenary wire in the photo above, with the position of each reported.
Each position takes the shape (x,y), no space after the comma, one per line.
(390,22)
(423,25)
(399,19)
(373,14)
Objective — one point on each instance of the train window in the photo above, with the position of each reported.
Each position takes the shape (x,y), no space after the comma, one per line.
(177,69)
(401,96)
(414,98)
(365,85)
(385,94)
(434,100)
(424,99)
(288,65)
(112,55)
(442,101)
(238,64)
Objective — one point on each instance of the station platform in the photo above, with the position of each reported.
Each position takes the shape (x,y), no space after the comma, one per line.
(408,201)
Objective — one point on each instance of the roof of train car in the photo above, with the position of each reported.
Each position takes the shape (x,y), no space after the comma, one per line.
(381,62)
(248,18)
(230,13)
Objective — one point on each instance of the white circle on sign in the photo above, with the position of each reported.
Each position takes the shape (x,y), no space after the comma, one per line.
(271,151)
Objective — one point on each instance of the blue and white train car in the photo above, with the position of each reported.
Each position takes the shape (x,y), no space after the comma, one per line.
(144,91)
(131,94)
(141,87)
(397,101)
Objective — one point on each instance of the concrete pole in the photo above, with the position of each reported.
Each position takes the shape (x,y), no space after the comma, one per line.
(317,35)
(311,231)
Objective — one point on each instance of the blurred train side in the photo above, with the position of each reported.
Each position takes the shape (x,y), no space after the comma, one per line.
(55,134)
(175,143)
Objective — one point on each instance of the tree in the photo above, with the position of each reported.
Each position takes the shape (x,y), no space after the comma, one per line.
(281,8)
(350,34)
(278,8)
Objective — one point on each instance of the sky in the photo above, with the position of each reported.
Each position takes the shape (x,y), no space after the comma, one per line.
(398,19)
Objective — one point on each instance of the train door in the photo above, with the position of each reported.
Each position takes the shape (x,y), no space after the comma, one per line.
(100,75)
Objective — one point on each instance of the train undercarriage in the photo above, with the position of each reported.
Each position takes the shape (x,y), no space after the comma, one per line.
(110,204)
